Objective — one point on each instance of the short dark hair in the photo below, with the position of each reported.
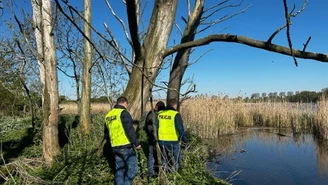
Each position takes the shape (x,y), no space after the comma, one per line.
(160,105)
(121,100)
(172,102)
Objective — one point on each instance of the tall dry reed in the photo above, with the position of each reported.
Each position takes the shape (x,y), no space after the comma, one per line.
(211,116)
(321,120)
(96,108)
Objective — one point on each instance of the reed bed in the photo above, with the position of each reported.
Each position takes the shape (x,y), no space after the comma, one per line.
(96,108)
(321,120)
(210,117)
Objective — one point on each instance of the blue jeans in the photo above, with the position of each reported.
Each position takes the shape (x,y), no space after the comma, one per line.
(171,155)
(152,161)
(126,165)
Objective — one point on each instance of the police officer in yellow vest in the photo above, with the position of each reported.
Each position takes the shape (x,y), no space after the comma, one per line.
(122,137)
(170,132)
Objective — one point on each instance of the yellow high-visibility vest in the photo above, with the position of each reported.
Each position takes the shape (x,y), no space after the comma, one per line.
(115,127)
(166,126)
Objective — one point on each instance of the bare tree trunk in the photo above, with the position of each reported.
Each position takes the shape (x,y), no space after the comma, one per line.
(37,26)
(181,59)
(86,75)
(77,82)
(50,105)
(149,56)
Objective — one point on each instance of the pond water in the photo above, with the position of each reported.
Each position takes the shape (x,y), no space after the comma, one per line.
(264,156)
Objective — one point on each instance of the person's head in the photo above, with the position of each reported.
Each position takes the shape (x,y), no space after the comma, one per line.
(159,106)
(122,101)
(173,103)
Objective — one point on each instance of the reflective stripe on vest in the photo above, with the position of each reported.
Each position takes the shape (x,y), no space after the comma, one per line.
(115,127)
(166,129)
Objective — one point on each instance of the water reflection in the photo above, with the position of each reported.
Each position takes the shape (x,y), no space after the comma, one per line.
(270,156)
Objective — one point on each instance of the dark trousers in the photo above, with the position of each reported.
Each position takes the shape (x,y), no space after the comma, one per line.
(171,155)
(152,162)
(125,158)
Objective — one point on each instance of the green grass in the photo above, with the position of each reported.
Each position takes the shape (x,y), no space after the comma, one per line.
(80,163)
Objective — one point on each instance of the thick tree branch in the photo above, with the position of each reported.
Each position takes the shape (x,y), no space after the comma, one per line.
(249,42)
(133,26)
(188,7)
(1,8)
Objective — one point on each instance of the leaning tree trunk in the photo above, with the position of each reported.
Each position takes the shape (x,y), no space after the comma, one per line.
(149,56)
(181,59)
(86,76)
(50,105)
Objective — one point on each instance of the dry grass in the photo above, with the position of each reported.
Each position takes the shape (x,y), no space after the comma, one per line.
(210,117)
(321,120)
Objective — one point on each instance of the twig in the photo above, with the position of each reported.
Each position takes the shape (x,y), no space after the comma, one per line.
(80,30)
(199,57)
(299,11)
(305,45)
(120,21)
(276,32)
(222,19)
(116,47)
(287,16)
(4,163)
(180,31)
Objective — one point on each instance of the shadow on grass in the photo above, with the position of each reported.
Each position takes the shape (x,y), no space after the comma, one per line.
(13,148)
(65,127)
(109,156)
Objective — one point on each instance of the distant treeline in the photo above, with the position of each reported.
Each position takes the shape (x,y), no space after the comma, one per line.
(15,102)
(290,96)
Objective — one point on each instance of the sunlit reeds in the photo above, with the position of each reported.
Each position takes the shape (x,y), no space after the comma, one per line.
(211,116)
(321,120)
(96,108)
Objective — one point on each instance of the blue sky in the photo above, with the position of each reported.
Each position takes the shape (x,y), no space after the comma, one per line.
(235,69)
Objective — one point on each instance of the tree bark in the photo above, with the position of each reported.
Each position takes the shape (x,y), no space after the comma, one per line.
(37,26)
(86,74)
(181,59)
(50,105)
(149,56)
